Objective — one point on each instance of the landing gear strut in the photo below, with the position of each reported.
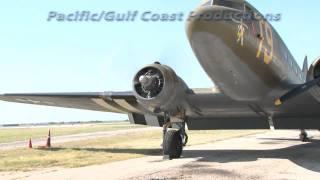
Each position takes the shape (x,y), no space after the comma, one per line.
(303,135)
(174,138)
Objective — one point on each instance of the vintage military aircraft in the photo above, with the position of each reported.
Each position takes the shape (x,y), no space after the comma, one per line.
(258,82)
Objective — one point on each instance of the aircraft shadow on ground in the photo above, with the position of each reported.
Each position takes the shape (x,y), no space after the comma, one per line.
(304,155)
(147,152)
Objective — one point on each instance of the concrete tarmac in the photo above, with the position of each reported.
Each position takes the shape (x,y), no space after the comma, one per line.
(271,155)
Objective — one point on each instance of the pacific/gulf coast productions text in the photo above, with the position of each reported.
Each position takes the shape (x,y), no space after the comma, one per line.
(150,16)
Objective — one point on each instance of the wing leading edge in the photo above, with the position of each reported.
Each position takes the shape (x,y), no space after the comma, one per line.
(118,102)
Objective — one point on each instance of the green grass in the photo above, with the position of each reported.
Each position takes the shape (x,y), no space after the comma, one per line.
(22,134)
(101,150)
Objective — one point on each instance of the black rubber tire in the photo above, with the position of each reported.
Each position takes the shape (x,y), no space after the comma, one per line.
(172,144)
(304,137)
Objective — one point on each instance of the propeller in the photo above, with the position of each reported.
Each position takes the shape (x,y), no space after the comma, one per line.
(297,91)
(149,82)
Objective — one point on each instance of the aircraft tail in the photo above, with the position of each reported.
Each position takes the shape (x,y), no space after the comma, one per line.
(305,67)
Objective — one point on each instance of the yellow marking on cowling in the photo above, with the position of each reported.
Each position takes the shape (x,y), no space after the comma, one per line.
(278,102)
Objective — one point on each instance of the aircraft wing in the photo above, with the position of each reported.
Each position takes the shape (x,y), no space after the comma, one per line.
(216,111)
(118,102)
(210,109)
(208,106)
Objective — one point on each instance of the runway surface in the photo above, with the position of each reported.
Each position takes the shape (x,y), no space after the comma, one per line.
(271,155)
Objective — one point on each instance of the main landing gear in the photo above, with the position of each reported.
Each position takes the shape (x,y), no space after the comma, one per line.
(303,136)
(174,138)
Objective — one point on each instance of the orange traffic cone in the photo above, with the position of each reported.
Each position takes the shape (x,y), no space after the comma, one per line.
(48,145)
(30,144)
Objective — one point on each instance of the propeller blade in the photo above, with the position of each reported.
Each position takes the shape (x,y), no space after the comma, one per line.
(297,91)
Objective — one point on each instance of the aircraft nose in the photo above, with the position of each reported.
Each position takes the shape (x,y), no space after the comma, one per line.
(217,46)
(216,20)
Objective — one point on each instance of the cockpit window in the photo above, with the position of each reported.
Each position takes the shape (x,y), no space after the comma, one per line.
(229,3)
(206,3)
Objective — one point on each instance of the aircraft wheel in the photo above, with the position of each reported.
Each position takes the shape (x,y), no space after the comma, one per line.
(172,144)
(303,137)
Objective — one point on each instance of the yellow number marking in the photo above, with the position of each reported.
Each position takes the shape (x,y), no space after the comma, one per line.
(267,48)
(240,34)
(261,40)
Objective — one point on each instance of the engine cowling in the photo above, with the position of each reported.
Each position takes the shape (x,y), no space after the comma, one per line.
(159,89)
(313,73)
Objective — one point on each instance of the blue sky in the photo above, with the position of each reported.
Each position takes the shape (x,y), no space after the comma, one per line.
(41,56)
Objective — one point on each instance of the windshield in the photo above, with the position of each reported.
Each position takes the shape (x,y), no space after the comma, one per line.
(230,3)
